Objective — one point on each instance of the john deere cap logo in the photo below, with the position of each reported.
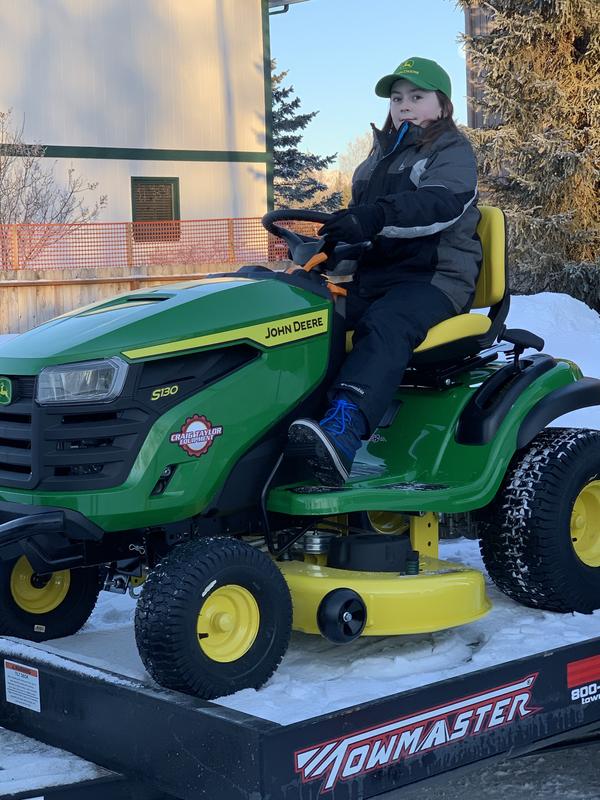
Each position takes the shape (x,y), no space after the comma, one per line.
(5,391)
(408,64)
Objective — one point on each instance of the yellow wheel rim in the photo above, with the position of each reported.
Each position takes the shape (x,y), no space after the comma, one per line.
(38,594)
(228,623)
(388,521)
(585,525)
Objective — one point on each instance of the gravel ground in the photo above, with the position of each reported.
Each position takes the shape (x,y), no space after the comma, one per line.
(569,774)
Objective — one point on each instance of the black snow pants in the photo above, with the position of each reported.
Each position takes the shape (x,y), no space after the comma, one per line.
(386,331)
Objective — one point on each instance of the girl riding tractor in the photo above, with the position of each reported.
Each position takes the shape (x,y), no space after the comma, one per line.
(415,198)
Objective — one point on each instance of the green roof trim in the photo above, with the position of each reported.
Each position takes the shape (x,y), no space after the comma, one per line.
(143,154)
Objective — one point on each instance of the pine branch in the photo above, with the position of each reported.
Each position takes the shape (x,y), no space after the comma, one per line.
(538,71)
(295,182)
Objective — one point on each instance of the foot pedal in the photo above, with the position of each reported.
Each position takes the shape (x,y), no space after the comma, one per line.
(390,414)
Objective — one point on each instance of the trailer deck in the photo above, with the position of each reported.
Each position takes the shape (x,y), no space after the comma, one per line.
(187,748)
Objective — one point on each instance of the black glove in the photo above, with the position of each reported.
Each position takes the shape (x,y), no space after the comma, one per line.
(353,225)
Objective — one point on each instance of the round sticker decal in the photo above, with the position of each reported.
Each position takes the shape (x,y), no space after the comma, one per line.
(196,435)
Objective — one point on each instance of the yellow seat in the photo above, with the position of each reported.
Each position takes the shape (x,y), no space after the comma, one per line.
(491,286)
(455,328)
(467,334)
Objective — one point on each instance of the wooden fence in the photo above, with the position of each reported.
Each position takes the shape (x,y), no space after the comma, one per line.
(47,270)
(33,298)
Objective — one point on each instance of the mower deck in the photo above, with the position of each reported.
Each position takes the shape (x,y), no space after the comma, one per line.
(443,595)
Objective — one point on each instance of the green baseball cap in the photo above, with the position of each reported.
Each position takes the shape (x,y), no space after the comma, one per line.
(422,72)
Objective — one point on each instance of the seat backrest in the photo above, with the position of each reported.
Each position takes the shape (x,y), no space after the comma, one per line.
(491,284)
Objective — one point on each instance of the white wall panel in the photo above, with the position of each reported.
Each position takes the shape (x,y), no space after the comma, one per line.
(169,74)
(206,189)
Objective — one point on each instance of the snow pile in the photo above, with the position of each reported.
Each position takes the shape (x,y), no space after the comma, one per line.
(19,756)
(317,677)
(570,330)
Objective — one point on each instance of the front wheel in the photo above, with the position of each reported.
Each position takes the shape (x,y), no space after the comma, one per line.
(48,606)
(214,617)
(540,538)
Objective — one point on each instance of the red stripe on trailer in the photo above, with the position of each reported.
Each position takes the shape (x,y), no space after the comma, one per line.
(585,671)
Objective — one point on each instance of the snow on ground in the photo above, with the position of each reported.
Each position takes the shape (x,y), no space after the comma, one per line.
(317,677)
(53,767)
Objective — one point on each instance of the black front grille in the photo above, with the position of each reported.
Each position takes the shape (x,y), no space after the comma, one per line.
(67,448)
(87,447)
(92,449)
(16,462)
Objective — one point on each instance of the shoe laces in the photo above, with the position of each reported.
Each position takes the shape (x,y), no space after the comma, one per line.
(339,416)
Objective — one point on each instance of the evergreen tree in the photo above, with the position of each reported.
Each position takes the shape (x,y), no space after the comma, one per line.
(539,65)
(296,180)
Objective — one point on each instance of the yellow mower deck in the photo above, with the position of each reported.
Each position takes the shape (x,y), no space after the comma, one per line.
(443,595)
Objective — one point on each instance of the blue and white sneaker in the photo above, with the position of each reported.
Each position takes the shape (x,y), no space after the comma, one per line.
(329,446)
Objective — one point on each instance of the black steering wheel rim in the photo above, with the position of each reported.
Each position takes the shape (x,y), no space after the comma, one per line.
(292,215)
(336,251)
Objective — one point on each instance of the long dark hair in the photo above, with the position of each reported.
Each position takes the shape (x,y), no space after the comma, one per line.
(431,132)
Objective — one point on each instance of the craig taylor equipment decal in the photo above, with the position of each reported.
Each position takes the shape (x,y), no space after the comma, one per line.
(196,435)
(583,679)
(359,753)
(266,334)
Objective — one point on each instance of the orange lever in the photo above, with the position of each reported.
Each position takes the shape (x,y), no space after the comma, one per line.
(336,290)
(318,258)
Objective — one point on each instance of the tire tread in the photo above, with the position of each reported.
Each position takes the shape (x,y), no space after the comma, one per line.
(164,603)
(521,547)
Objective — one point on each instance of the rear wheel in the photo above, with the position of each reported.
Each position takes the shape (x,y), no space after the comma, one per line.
(41,607)
(540,538)
(214,617)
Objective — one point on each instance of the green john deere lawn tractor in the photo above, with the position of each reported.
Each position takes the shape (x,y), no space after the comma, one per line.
(141,444)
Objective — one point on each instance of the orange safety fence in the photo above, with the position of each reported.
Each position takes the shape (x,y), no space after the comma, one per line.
(131,246)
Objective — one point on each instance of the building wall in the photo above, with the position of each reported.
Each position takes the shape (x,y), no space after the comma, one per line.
(184,79)
(207,189)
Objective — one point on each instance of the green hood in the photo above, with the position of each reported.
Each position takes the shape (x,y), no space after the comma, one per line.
(133,325)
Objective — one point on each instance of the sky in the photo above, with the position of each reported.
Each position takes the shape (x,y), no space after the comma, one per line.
(336,50)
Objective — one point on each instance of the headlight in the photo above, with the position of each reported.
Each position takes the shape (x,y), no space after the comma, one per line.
(86,382)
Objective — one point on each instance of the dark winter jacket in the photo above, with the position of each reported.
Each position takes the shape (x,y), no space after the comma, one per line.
(429,196)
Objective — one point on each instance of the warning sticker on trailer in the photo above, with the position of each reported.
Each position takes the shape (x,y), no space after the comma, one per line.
(22,685)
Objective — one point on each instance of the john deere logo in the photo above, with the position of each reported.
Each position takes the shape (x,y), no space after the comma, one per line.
(5,391)
(408,64)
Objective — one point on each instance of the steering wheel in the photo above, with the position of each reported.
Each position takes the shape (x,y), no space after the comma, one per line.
(311,251)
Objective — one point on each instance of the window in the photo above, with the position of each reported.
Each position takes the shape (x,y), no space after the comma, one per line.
(155,209)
